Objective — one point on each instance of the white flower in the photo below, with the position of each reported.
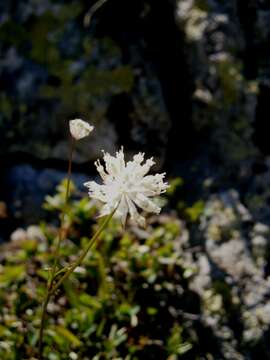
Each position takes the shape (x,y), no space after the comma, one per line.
(79,128)
(126,187)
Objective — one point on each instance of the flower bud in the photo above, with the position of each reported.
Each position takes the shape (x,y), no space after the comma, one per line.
(79,128)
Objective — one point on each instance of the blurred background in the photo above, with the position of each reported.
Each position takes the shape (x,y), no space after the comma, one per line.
(185,81)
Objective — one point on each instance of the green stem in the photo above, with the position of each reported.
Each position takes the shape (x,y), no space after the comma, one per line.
(69,269)
(61,228)
(79,261)
(88,16)
(56,253)
(42,323)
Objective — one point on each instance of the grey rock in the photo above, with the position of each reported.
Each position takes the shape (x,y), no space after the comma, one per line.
(30,186)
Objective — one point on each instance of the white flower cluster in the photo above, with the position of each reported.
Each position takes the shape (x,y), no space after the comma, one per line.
(126,187)
(79,128)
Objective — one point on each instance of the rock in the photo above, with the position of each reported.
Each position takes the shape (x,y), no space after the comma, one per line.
(231,273)
(260,228)
(223,102)
(232,257)
(202,280)
(82,75)
(29,188)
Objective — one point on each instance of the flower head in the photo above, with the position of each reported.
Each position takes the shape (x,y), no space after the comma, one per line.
(126,186)
(79,128)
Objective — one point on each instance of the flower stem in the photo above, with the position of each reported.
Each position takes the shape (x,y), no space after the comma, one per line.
(61,228)
(68,270)
(56,252)
(80,259)
(91,12)
(42,323)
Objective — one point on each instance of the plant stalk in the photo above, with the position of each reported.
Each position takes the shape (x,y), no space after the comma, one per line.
(62,219)
(69,269)
(42,323)
(79,261)
(56,252)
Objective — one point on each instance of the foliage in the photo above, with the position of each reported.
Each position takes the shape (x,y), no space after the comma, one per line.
(118,305)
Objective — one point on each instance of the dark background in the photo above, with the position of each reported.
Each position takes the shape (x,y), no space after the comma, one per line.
(187,82)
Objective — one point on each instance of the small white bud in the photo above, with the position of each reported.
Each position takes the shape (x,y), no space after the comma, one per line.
(79,128)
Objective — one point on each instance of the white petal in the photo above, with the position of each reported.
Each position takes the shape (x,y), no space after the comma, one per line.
(106,209)
(146,204)
(146,167)
(121,159)
(153,184)
(134,213)
(101,171)
(114,165)
(138,158)
(122,210)
(96,191)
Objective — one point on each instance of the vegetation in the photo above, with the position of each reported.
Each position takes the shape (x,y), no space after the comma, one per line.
(123,303)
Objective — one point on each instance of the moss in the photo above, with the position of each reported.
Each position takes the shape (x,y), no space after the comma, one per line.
(230,77)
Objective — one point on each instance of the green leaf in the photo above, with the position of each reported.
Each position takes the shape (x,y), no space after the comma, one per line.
(68,335)
(12,273)
(90,301)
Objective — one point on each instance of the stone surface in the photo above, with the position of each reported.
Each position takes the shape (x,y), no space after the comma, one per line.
(53,69)
(231,276)
(30,186)
(224,100)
